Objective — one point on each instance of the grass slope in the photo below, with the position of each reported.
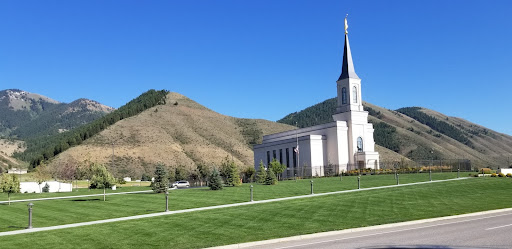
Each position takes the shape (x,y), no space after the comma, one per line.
(65,211)
(281,219)
(179,133)
(486,148)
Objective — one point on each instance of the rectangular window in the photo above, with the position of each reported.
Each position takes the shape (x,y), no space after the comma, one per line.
(281,156)
(294,158)
(274,154)
(287,157)
(268,158)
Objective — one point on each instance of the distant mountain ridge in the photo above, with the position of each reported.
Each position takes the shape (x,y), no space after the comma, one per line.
(421,134)
(27,115)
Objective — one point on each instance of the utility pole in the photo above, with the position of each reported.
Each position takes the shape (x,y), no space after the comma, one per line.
(112,154)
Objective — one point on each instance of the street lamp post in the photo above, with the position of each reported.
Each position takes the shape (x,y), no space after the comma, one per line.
(251,193)
(359,182)
(431,163)
(311,186)
(167,199)
(398,179)
(30,215)
(112,154)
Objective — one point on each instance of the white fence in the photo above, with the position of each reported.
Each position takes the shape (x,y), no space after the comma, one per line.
(34,187)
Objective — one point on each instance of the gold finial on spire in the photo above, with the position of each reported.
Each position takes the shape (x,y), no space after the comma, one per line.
(346,25)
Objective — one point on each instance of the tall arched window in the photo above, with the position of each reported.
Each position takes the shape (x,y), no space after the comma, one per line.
(343,95)
(359,144)
(354,94)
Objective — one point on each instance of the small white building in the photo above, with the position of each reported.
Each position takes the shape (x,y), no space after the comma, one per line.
(127,179)
(16,171)
(344,144)
(34,187)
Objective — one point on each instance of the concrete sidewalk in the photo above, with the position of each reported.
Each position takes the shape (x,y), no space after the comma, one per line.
(211,207)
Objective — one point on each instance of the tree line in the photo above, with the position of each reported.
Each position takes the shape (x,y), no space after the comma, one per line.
(44,148)
(436,124)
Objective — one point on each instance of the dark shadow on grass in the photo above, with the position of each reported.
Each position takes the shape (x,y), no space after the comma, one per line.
(17,227)
(85,200)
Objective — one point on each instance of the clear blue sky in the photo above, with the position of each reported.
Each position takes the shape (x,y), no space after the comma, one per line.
(264,59)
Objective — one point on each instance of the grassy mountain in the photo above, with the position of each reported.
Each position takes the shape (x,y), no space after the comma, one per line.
(27,115)
(40,149)
(414,132)
(179,133)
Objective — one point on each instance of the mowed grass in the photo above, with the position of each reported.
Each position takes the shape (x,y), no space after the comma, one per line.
(66,211)
(78,191)
(281,219)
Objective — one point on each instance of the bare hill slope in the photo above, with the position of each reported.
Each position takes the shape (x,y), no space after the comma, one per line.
(179,133)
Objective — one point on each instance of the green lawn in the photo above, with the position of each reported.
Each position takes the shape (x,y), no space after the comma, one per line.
(79,191)
(65,211)
(281,219)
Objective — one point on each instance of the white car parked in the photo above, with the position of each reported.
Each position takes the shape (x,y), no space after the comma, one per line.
(181,184)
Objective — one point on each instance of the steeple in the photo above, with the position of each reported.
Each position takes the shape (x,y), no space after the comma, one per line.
(347,69)
(348,84)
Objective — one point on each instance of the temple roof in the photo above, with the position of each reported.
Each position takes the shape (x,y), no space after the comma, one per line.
(347,69)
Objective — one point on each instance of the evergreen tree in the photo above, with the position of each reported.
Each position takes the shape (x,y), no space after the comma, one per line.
(161,182)
(262,173)
(215,181)
(232,174)
(271,177)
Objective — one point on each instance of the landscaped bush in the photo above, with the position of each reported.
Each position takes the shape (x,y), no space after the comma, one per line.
(493,175)
(46,188)
(501,175)
(486,171)
(509,175)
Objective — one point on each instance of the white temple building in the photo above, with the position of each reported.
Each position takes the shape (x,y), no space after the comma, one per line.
(344,144)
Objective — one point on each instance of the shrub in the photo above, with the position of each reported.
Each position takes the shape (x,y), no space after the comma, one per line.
(145,177)
(485,170)
(501,175)
(509,175)
(121,181)
(46,188)
(493,175)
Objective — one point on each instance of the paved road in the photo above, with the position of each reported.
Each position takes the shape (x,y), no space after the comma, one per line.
(492,230)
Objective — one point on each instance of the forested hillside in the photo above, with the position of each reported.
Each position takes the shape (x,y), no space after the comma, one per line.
(45,148)
(27,115)
(421,134)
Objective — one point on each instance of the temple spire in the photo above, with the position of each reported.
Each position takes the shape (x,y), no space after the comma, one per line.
(347,69)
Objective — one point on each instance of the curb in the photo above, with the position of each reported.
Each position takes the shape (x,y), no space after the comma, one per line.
(353,230)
